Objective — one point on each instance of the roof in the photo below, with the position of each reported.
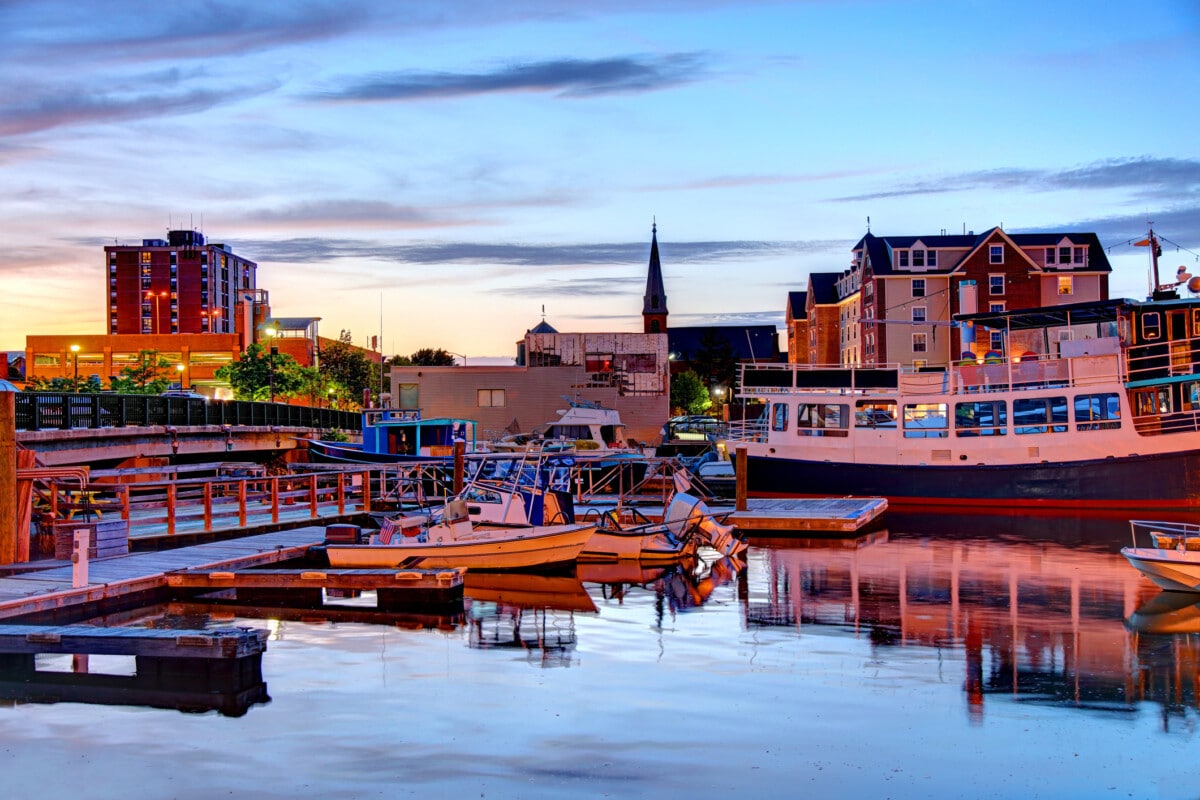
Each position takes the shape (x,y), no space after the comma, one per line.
(542,327)
(655,299)
(797,306)
(823,287)
(748,342)
(879,248)
(290,323)
(1049,316)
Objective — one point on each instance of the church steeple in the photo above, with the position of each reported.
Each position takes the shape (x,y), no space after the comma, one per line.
(654,303)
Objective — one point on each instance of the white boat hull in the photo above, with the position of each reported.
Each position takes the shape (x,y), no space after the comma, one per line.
(1173,570)
(496,548)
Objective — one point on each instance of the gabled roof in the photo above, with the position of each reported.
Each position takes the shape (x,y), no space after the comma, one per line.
(879,248)
(822,288)
(748,342)
(797,305)
(542,327)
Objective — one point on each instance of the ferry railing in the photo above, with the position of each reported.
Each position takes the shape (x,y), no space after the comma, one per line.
(37,411)
(748,431)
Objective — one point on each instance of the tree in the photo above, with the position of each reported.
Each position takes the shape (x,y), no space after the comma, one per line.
(715,361)
(428,357)
(151,375)
(348,371)
(253,375)
(689,394)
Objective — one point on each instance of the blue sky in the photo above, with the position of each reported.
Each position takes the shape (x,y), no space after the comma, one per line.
(459,165)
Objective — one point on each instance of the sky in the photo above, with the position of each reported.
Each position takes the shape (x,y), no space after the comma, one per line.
(438,173)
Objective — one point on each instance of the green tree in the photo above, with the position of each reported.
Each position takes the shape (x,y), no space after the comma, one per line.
(348,371)
(715,361)
(152,374)
(428,357)
(689,394)
(88,385)
(253,375)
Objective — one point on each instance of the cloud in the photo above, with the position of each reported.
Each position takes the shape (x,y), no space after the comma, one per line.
(1178,227)
(67,107)
(1149,178)
(600,286)
(566,77)
(319,249)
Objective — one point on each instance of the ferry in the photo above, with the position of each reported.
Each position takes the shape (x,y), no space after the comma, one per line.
(1095,407)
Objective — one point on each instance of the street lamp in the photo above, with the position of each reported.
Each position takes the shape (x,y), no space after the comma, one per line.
(210,319)
(182,382)
(75,358)
(270,334)
(155,296)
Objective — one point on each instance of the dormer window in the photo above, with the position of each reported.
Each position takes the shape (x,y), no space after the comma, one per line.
(918,258)
(902,259)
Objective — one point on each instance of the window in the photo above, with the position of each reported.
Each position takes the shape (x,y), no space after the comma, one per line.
(920,343)
(779,415)
(996,308)
(996,254)
(918,258)
(1151,326)
(1191,396)
(875,414)
(925,421)
(995,284)
(987,418)
(598,362)
(1080,255)
(1094,412)
(920,363)
(918,287)
(146,255)
(902,258)
(1050,251)
(1151,402)
(1066,284)
(822,419)
(490,398)
(918,314)
(931,258)
(996,340)
(1064,255)
(1039,415)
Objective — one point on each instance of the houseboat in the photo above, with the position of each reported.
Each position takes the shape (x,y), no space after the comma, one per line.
(1091,406)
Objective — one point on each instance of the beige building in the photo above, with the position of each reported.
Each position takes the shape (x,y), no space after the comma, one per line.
(625,371)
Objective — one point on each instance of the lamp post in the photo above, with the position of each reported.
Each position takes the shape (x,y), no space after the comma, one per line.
(270,334)
(210,319)
(75,358)
(155,296)
(182,383)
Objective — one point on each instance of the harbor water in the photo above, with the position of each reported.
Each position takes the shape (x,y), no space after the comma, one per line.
(941,657)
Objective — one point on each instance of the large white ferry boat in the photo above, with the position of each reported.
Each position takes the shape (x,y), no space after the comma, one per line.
(1097,406)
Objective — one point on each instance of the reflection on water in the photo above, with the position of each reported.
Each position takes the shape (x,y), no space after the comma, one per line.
(820,667)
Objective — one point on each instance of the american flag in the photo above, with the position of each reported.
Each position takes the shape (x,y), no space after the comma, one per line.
(387,529)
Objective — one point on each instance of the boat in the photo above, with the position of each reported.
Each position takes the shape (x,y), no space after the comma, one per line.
(1172,561)
(396,436)
(452,539)
(1096,407)
(582,426)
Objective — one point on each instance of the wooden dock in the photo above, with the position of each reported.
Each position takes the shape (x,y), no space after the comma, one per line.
(841,515)
(226,643)
(393,588)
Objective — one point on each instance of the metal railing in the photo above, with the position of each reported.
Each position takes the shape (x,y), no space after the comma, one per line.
(37,411)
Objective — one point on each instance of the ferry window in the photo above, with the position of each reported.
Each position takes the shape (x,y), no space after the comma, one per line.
(996,254)
(1094,412)
(1151,326)
(995,284)
(988,418)
(918,287)
(1191,396)
(822,419)
(1040,415)
(1151,402)
(1196,322)
(875,414)
(779,416)
(925,421)
(491,398)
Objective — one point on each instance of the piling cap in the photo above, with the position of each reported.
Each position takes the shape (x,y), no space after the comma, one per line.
(8,386)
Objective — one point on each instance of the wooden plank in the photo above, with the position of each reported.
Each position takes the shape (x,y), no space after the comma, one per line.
(426,579)
(846,515)
(149,642)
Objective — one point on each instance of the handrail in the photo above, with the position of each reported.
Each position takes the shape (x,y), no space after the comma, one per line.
(37,411)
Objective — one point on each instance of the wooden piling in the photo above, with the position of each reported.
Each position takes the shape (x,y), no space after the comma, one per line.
(8,478)
(460,449)
(739,468)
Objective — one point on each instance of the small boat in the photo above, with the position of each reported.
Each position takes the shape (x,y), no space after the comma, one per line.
(1172,561)
(395,436)
(418,541)
(583,426)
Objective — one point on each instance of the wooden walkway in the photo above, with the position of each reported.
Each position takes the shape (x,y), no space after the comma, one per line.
(844,515)
(113,578)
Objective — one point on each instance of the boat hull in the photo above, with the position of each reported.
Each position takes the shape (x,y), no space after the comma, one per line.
(550,544)
(651,546)
(1173,570)
(1163,482)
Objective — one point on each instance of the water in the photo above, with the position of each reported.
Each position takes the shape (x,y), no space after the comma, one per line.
(982,657)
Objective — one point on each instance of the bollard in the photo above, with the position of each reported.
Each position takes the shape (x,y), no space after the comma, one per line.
(79,558)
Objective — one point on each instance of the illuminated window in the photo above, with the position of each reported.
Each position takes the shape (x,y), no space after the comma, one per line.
(1066,284)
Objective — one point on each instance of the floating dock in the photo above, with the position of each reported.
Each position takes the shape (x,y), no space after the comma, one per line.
(842,515)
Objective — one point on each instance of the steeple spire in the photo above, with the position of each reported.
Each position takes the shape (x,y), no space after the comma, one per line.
(654,303)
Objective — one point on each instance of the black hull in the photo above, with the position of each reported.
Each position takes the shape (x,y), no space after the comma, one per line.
(1158,482)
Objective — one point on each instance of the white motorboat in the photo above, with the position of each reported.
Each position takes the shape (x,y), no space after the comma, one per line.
(1172,561)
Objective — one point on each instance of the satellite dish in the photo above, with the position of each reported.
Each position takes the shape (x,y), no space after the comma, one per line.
(1194,285)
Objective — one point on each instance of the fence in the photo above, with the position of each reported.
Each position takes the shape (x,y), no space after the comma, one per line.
(37,411)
